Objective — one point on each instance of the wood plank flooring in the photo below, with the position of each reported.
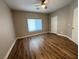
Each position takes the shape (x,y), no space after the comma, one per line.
(45,46)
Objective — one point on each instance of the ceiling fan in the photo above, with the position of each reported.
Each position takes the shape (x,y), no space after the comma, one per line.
(42,3)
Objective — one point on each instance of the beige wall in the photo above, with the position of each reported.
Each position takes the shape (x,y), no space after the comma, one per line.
(7,36)
(65,18)
(62,16)
(20,21)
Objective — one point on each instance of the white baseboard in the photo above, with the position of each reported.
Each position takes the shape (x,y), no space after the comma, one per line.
(66,36)
(9,50)
(30,35)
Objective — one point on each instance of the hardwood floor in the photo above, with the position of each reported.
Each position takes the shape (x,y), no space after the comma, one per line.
(45,46)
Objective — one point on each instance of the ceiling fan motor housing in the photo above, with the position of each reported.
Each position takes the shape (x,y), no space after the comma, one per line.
(43,2)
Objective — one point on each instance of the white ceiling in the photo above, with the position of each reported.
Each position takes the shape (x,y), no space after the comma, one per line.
(28,5)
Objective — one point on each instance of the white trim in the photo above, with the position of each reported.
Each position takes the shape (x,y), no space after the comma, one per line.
(30,35)
(6,56)
(65,36)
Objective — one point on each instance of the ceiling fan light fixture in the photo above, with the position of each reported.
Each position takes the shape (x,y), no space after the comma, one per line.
(43,6)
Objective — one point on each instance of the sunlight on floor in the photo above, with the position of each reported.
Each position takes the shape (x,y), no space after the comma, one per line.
(36,43)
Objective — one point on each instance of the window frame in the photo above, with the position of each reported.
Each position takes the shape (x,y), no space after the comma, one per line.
(34,31)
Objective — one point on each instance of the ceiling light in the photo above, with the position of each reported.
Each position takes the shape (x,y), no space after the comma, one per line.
(43,6)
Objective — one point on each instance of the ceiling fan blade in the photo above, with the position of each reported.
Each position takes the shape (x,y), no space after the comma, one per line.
(37,4)
(41,3)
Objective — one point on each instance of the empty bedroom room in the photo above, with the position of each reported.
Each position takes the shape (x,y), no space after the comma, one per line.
(38,29)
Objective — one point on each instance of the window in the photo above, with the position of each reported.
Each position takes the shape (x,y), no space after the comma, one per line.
(34,25)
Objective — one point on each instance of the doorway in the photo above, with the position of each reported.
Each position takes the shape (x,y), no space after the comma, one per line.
(54,24)
(75,26)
